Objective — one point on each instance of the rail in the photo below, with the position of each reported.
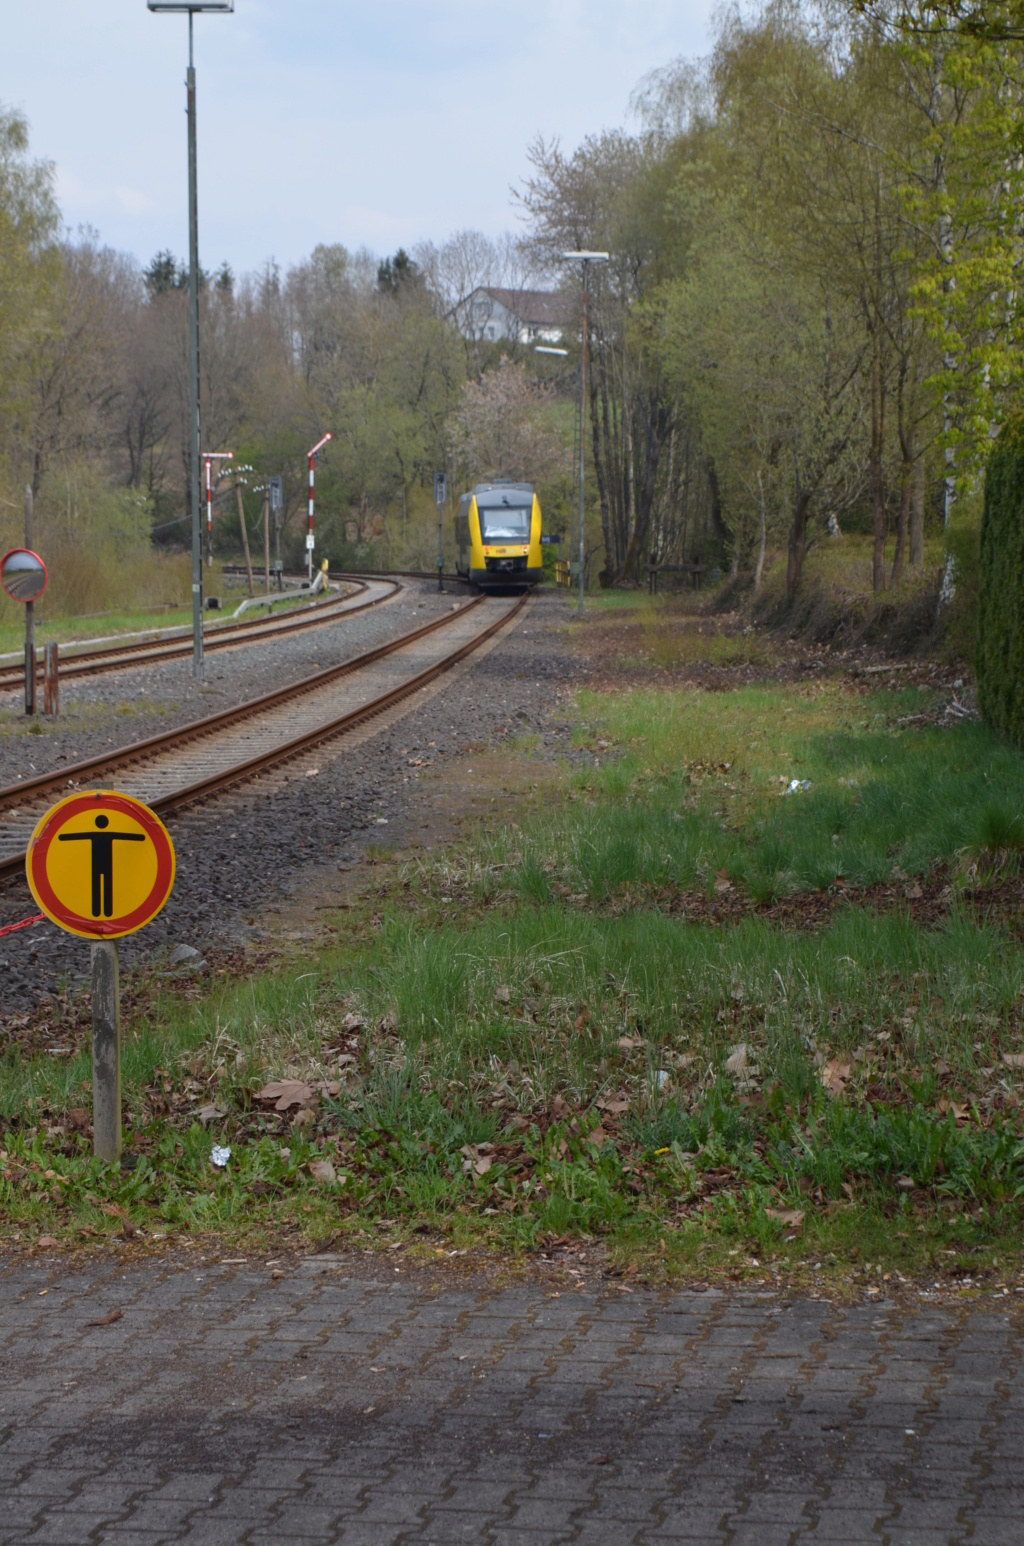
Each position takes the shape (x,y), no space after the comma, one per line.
(148,651)
(30,791)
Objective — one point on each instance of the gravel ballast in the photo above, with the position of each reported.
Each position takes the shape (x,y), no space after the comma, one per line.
(118,707)
(254,846)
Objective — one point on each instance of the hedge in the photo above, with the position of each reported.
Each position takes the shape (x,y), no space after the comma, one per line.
(1000,657)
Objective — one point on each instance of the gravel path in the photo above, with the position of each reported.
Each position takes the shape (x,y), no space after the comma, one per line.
(261,842)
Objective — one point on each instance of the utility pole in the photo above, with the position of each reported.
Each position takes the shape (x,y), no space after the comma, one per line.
(30,615)
(585,259)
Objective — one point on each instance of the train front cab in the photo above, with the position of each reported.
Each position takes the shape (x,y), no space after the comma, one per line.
(497,536)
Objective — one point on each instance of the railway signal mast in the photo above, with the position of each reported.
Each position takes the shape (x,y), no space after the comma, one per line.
(208,457)
(191,8)
(310,540)
(584,259)
(440,499)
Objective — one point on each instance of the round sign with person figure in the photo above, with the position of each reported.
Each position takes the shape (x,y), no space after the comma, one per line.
(100,864)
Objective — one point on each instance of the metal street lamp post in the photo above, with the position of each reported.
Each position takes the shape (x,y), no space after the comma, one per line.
(190,7)
(585,259)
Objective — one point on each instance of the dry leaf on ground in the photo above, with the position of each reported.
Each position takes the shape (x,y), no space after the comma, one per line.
(475,1158)
(286,1093)
(323,1170)
(834,1075)
(791,1218)
(736,1062)
(614,1107)
(597,1137)
(1014,1059)
(107,1320)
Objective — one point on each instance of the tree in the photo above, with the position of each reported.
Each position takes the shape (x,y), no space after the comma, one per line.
(504,428)
(611,195)
(29,272)
(398,273)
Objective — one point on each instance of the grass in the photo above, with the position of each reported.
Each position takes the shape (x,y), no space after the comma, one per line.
(685,789)
(14,722)
(64,629)
(521,1039)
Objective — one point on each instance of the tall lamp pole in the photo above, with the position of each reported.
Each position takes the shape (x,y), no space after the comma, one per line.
(584,259)
(190,8)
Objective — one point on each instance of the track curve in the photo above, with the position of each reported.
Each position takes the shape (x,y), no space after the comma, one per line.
(121,657)
(200,759)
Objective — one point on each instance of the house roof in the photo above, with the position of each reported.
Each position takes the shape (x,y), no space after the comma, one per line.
(537,308)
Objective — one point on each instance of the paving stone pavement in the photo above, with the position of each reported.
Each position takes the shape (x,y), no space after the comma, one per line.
(224,1406)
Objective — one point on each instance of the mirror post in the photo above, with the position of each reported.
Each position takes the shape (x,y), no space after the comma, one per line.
(30,618)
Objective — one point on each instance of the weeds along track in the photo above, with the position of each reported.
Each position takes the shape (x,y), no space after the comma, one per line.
(198,760)
(149,651)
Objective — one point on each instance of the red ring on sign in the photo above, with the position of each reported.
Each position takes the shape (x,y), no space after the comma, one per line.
(32,554)
(77,923)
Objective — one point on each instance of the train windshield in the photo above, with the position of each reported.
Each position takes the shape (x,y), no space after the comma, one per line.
(505,523)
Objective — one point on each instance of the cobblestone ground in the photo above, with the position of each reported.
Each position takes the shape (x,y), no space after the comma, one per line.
(217,1404)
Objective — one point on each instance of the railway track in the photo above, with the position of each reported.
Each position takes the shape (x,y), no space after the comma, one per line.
(199,760)
(227,635)
(357,574)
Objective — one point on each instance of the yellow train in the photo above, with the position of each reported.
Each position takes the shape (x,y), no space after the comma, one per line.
(497,535)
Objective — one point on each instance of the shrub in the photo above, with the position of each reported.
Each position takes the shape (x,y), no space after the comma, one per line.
(1000,654)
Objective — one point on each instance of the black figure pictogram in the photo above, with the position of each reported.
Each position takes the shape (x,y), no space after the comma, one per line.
(102,861)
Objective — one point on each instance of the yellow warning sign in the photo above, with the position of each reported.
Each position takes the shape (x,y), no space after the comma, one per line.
(100,864)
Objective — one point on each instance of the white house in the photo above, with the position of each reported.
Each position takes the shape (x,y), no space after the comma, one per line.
(528,316)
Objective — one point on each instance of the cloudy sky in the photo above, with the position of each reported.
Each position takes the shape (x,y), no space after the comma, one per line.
(367,122)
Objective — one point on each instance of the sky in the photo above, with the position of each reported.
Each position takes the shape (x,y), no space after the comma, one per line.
(375,123)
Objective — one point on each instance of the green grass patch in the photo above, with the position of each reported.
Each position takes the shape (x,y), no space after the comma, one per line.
(670,1090)
(689,786)
(572,1058)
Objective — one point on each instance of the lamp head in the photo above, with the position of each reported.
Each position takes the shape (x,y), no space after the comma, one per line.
(223,7)
(584,256)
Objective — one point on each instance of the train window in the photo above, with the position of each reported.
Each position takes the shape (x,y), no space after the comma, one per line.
(507,523)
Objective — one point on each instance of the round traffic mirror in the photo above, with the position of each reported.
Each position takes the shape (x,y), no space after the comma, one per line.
(23,574)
